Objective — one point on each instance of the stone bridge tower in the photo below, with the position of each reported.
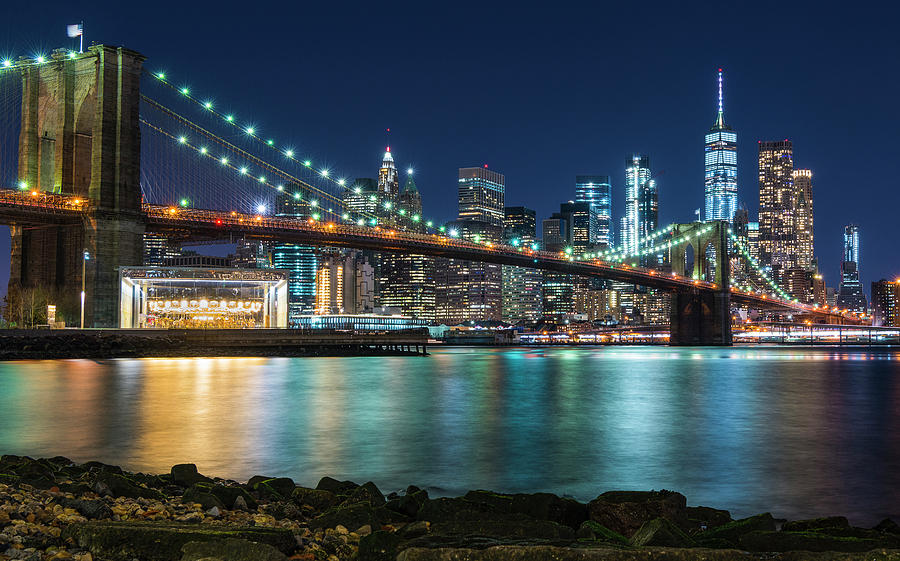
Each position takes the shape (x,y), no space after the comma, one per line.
(80,135)
(701,316)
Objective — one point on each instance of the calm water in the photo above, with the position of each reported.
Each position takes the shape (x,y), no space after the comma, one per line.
(793,431)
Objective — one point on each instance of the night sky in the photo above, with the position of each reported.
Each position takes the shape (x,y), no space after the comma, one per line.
(541,92)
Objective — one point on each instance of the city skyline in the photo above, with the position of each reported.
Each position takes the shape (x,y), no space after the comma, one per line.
(569,134)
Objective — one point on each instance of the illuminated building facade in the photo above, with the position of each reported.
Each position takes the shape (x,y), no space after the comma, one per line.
(184,298)
(252,254)
(557,289)
(803,221)
(158,249)
(388,178)
(886,303)
(850,294)
(481,195)
(345,284)
(777,212)
(299,260)
(720,160)
(596,190)
(406,281)
(362,198)
(469,290)
(521,293)
(641,203)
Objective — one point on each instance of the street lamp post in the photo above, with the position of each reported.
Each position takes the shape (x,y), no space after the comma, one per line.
(84,261)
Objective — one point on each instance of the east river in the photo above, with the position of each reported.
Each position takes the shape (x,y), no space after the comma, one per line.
(794,431)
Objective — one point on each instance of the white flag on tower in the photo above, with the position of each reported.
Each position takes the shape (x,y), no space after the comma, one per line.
(75,30)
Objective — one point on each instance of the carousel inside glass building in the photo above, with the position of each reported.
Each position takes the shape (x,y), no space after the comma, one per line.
(183,298)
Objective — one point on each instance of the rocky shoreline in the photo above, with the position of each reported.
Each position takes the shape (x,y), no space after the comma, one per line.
(54,509)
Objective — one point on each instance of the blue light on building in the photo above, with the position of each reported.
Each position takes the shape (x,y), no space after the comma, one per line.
(720,183)
(596,190)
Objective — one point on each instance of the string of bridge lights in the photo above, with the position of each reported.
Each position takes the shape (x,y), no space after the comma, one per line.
(746,254)
(252,132)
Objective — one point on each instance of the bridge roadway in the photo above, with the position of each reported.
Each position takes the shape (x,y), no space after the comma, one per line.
(35,208)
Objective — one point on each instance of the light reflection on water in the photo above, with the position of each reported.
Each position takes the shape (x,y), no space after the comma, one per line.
(800,432)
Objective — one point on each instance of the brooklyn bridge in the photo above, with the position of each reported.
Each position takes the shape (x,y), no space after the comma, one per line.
(88,181)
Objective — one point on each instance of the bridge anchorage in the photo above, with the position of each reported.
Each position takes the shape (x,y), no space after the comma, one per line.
(80,172)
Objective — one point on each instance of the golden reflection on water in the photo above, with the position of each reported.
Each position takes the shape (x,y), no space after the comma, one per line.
(801,431)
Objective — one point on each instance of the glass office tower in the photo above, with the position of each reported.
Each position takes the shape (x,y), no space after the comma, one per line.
(597,190)
(721,168)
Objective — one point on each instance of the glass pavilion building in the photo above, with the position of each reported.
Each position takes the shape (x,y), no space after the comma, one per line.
(720,180)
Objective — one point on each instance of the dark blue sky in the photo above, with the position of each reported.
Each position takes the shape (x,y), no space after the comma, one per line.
(541,92)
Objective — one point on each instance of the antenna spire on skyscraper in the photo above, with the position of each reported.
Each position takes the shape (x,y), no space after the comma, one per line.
(720,118)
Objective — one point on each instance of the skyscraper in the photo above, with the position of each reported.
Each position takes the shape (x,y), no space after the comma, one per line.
(406,280)
(469,290)
(850,294)
(596,190)
(481,195)
(521,285)
(299,260)
(640,202)
(388,178)
(886,303)
(777,212)
(720,180)
(558,289)
(803,222)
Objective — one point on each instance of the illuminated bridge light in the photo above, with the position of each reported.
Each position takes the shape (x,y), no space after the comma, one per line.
(208,105)
(229,118)
(161,75)
(203,150)
(7,63)
(182,139)
(40,59)
(250,130)
(313,203)
(297,196)
(289,153)
(307,163)
(185,91)
(280,187)
(224,161)
(243,170)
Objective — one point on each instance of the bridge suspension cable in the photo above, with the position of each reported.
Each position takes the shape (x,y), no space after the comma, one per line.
(243,153)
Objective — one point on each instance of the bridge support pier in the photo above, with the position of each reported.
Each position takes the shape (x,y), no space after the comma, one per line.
(80,135)
(700,318)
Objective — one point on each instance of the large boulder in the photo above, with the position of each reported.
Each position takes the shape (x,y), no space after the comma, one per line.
(318,499)
(275,488)
(230,549)
(661,533)
(348,516)
(816,523)
(543,506)
(378,546)
(410,503)
(702,517)
(461,517)
(339,488)
(185,475)
(120,486)
(626,511)
(805,541)
(366,493)
(226,496)
(158,541)
(593,531)
(733,531)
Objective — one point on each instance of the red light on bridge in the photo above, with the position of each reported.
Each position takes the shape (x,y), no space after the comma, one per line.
(219,221)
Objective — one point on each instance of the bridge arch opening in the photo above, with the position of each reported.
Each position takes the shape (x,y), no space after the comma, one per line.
(689,258)
(709,269)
